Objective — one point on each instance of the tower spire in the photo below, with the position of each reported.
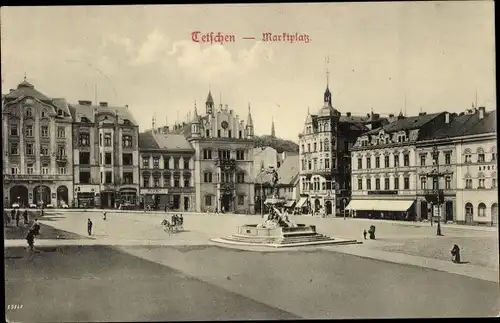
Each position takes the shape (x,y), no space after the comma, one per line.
(273,132)
(25,76)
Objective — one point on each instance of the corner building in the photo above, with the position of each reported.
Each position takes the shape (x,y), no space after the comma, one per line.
(37,148)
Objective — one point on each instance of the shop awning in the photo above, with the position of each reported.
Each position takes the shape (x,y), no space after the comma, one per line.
(301,202)
(290,203)
(380,205)
(274,201)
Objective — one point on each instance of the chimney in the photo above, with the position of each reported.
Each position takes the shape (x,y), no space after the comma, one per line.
(391,115)
(376,116)
(84,102)
(348,114)
(422,114)
(481,111)
(368,115)
(103,104)
(447,117)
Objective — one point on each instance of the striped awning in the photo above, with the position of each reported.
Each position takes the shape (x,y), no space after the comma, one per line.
(290,203)
(301,202)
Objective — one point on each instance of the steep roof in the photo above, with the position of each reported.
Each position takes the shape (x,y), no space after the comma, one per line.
(409,123)
(62,104)
(465,125)
(289,169)
(79,110)
(170,141)
(26,89)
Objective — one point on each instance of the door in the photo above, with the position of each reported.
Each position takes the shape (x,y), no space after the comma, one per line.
(449,211)
(226,202)
(186,203)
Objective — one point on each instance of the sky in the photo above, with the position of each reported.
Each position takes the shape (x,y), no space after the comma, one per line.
(437,55)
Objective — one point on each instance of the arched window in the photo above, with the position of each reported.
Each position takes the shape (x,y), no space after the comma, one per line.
(481,210)
(207,177)
(494,153)
(494,180)
(468,156)
(469,209)
(494,209)
(468,181)
(480,155)
(326,145)
(481,180)
(423,183)
(29,112)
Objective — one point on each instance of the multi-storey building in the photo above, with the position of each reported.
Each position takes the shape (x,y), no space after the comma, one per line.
(385,171)
(265,157)
(465,168)
(324,148)
(223,162)
(167,165)
(106,155)
(37,146)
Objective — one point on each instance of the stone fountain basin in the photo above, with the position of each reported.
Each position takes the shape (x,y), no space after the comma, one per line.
(252,230)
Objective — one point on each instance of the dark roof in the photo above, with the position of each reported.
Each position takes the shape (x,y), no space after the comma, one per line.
(465,125)
(169,142)
(409,123)
(26,89)
(289,169)
(61,104)
(87,111)
(209,98)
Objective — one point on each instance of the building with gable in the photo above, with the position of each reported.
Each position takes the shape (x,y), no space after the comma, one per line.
(325,159)
(37,148)
(167,170)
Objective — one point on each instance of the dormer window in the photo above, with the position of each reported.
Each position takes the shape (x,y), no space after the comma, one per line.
(29,112)
(83,119)
(43,114)
(59,112)
(126,121)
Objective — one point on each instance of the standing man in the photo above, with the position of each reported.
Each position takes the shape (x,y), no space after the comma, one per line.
(89,227)
(17,218)
(36,227)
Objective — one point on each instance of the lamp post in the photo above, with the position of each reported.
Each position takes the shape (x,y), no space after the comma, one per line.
(40,189)
(344,201)
(435,156)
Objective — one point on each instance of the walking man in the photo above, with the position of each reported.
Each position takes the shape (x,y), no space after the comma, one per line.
(30,238)
(364,234)
(89,227)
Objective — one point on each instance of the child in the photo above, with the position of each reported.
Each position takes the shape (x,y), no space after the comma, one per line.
(364,234)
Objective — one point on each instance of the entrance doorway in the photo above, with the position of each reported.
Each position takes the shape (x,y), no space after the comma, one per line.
(424,210)
(186,203)
(107,200)
(176,202)
(226,202)
(317,205)
(62,195)
(328,207)
(469,213)
(19,194)
(449,211)
(45,195)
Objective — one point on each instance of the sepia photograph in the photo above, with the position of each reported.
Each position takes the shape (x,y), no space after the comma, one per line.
(266,161)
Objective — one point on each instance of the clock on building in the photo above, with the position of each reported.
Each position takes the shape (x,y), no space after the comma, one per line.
(224,124)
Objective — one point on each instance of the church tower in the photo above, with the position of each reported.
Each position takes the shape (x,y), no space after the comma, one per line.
(273,132)
(209,105)
(249,126)
(195,124)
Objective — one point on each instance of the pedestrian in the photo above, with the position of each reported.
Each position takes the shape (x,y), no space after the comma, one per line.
(36,227)
(104,216)
(30,238)
(455,252)
(364,234)
(89,227)
(25,217)
(17,218)
(165,208)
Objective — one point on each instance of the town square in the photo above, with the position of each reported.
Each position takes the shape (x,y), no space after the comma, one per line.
(169,170)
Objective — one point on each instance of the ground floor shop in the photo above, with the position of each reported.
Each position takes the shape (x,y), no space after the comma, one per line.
(477,207)
(53,193)
(400,209)
(159,199)
(444,212)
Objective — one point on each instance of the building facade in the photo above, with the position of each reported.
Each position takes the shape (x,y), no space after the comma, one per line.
(223,160)
(325,159)
(385,175)
(167,167)
(106,155)
(37,148)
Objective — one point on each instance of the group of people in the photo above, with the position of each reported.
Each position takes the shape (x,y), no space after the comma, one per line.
(15,214)
(177,220)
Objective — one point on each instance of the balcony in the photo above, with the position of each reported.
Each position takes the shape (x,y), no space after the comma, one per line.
(61,159)
(226,186)
(36,177)
(226,164)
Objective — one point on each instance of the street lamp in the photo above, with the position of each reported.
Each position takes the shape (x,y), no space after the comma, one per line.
(344,201)
(435,156)
(40,189)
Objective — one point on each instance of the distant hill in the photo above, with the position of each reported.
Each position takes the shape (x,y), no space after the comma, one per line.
(279,144)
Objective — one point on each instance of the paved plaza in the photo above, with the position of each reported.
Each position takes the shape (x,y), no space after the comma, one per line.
(129,260)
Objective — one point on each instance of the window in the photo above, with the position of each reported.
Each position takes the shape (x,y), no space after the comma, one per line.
(62,170)
(493,156)
(468,183)
(240,155)
(30,169)
(240,134)
(218,133)
(229,133)
(146,181)
(61,151)
(177,182)
(406,183)
(166,162)
(224,154)
(208,200)
(309,164)
(108,177)
(207,177)
(360,163)
(207,153)
(207,133)
(186,181)
(386,161)
(396,183)
(240,178)
(468,158)
(368,184)
(166,180)
(156,182)
(84,139)
(480,157)
(29,131)
(176,163)
(127,159)
(14,170)
(186,163)
(327,145)
(435,183)
(127,141)
(481,183)
(85,177)
(315,147)
(44,150)
(13,130)
(45,131)
(61,132)
(422,160)
(493,183)
(396,160)
(406,160)
(386,184)
(308,148)
(423,183)
(100,139)
(156,162)
(377,162)
(29,112)
(481,210)
(320,146)
(145,162)
(45,169)
(107,140)
(128,178)
(447,158)
(29,149)
(43,114)
(14,148)
(327,163)
(360,184)
(107,159)
(368,163)
(377,184)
